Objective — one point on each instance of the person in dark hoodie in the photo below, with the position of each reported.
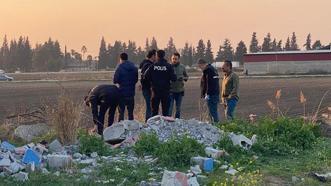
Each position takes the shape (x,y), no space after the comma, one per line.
(160,75)
(102,98)
(210,88)
(126,76)
(145,84)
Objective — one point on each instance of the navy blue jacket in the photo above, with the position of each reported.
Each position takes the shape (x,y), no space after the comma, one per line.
(210,82)
(160,75)
(126,75)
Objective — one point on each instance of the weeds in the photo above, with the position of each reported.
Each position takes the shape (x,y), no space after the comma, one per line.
(92,143)
(65,118)
(175,153)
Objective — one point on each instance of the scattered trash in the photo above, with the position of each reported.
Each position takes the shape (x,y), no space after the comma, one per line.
(21,176)
(206,164)
(7,146)
(323,177)
(231,171)
(31,156)
(214,153)
(242,140)
(174,178)
(58,161)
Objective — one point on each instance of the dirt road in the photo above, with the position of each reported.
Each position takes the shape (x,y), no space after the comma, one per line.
(254,93)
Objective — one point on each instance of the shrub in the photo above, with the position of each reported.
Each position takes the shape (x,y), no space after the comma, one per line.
(178,151)
(92,143)
(147,145)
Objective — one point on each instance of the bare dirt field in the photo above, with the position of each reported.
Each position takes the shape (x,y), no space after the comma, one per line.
(254,92)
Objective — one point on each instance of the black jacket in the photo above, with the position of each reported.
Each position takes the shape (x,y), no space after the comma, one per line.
(210,82)
(106,95)
(160,75)
(126,75)
(144,66)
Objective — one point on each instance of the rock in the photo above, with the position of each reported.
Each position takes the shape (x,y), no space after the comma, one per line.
(196,169)
(132,125)
(231,171)
(86,171)
(7,146)
(77,155)
(57,173)
(171,178)
(31,156)
(224,167)
(114,133)
(88,161)
(94,155)
(193,181)
(242,140)
(28,132)
(21,176)
(57,161)
(214,153)
(44,171)
(55,146)
(5,162)
(295,179)
(15,167)
(202,132)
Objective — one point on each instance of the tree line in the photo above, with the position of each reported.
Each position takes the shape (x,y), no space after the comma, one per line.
(48,56)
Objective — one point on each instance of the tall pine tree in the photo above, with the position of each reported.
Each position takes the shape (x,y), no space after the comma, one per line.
(307,45)
(266,45)
(240,51)
(294,45)
(254,46)
(209,53)
(200,50)
(103,56)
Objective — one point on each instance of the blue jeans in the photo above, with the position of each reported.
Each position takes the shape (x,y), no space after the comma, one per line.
(178,97)
(213,102)
(147,93)
(230,107)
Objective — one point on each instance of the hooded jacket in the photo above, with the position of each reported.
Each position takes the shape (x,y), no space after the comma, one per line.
(210,82)
(144,66)
(126,75)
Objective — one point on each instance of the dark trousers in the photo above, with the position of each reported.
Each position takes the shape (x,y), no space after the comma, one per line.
(99,115)
(147,93)
(164,100)
(176,97)
(128,103)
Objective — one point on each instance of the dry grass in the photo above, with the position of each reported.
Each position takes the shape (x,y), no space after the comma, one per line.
(65,117)
(203,111)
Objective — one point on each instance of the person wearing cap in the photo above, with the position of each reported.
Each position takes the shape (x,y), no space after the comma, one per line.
(230,89)
(210,88)
(102,98)
(145,84)
(161,74)
(177,87)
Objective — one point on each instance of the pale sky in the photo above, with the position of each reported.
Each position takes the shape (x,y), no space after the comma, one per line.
(83,22)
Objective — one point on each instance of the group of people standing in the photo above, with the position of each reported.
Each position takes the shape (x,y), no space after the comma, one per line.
(162,83)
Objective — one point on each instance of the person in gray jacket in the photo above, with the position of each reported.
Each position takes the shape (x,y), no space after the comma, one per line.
(177,87)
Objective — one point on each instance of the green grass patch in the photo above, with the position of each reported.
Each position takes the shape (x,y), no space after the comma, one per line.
(93,143)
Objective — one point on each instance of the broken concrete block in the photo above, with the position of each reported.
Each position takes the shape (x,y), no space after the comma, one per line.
(242,140)
(231,171)
(192,181)
(7,146)
(77,155)
(171,178)
(40,148)
(94,155)
(21,176)
(57,161)
(55,146)
(196,169)
(20,150)
(88,161)
(44,171)
(5,162)
(15,167)
(113,133)
(28,132)
(31,156)
(214,153)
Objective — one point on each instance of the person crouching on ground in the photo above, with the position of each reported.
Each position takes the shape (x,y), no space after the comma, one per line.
(210,88)
(177,87)
(102,98)
(230,89)
(145,84)
(126,75)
